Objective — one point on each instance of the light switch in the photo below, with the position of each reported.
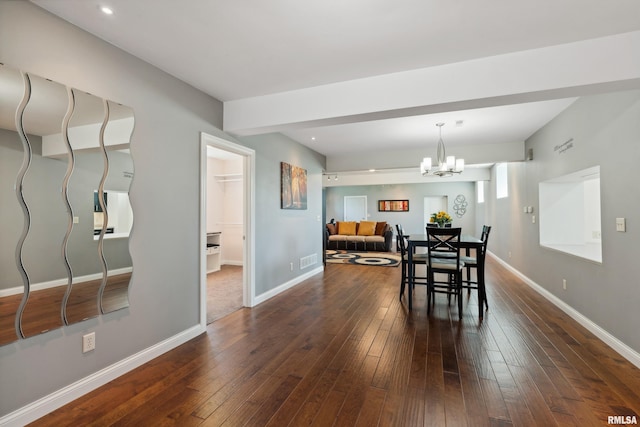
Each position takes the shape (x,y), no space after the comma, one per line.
(533,219)
(76,220)
(621,224)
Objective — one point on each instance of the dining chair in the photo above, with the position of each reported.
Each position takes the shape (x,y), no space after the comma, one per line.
(472,262)
(435,225)
(441,241)
(416,260)
(441,254)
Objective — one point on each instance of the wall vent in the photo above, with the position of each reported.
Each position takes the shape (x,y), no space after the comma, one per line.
(308,260)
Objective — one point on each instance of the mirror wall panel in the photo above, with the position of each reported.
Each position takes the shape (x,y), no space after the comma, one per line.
(82,248)
(65,279)
(118,131)
(11,217)
(42,255)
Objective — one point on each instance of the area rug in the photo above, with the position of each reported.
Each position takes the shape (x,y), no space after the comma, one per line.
(380,259)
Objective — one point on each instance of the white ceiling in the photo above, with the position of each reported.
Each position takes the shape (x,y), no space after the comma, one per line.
(234,50)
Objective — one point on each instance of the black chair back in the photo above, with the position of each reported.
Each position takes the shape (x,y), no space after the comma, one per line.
(444,240)
(486,229)
(400,240)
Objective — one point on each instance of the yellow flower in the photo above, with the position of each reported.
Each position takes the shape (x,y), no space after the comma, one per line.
(440,217)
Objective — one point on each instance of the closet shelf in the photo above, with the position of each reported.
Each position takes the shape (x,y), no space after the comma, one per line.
(228,177)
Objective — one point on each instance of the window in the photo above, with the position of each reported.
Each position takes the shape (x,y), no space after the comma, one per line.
(480,191)
(502,185)
(570,214)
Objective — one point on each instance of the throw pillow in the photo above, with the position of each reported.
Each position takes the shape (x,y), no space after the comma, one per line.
(332,229)
(367,228)
(380,228)
(347,228)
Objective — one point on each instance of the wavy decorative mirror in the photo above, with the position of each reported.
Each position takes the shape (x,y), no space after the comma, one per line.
(65,216)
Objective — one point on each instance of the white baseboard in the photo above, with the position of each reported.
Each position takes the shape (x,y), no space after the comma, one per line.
(624,350)
(290,284)
(55,400)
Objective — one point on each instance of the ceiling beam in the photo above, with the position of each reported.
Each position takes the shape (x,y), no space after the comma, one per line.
(568,70)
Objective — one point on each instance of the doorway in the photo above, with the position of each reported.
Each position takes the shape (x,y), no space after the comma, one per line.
(226,227)
(434,204)
(355,208)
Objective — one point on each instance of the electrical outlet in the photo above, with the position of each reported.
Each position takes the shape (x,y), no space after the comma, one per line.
(291,266)
(509,254)
(89,342)
(564,284)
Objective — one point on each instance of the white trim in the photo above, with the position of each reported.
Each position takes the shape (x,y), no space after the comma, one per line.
(624,350)
(249,171)
(57,399)
(287,285)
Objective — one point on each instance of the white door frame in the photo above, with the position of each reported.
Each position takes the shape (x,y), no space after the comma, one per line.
(428,202)
(248,220)
(364,199)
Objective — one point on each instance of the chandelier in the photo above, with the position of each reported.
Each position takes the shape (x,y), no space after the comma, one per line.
(447,165)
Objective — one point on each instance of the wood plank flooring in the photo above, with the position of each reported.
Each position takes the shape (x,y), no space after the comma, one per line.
(341,349)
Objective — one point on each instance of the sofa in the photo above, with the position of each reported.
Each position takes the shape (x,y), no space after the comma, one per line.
(360,236)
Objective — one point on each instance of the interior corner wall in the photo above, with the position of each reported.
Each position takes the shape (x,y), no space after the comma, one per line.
(600,130)
(165,197)
(414,220)
(284,236)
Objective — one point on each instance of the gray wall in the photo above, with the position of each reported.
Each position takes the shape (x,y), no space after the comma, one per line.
(164,242)
(605,131)
(284,236)
(412,221)
(165,197)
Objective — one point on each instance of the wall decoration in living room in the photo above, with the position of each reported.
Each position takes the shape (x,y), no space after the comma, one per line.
(293,187)
(393,205)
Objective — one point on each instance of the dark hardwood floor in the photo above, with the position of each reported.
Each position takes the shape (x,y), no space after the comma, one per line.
(341,349)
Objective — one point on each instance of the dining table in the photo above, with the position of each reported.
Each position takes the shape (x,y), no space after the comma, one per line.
(466,243)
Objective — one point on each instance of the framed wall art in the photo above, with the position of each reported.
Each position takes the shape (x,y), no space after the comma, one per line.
(393,205)
(293,187)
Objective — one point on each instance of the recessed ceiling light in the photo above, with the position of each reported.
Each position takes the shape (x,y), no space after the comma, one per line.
(106,10)
(313,138)
(372,170)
